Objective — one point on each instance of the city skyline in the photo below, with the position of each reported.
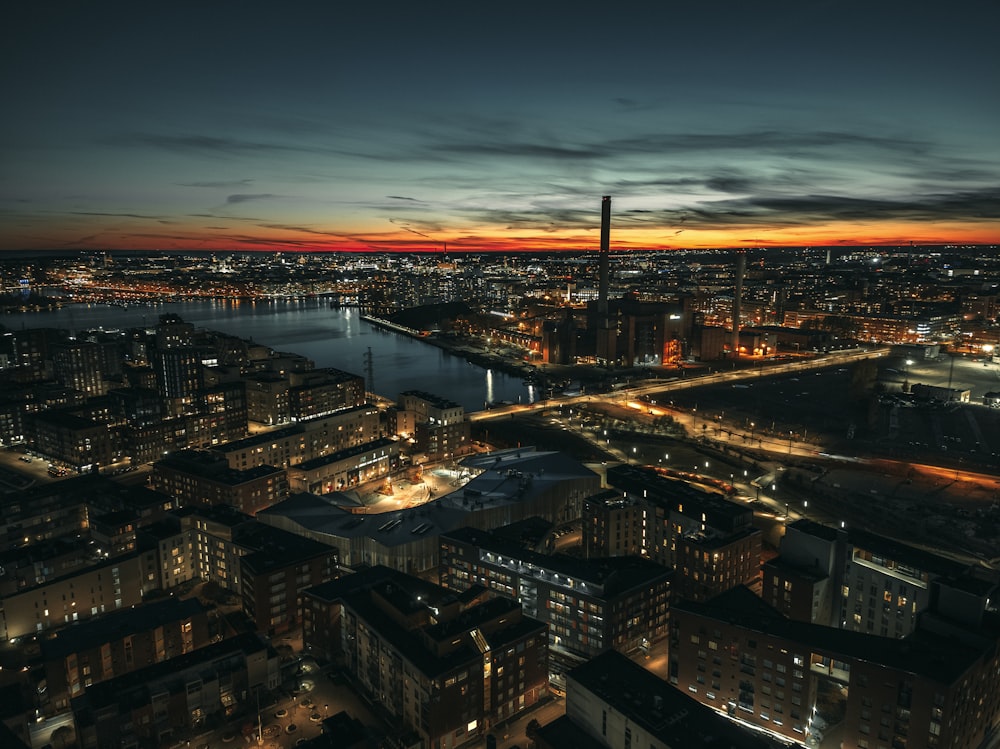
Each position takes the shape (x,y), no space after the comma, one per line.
(409,128)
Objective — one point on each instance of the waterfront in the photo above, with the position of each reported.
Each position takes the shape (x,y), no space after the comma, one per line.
(308,326)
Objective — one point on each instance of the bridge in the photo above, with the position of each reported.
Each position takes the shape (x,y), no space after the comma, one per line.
(648,387)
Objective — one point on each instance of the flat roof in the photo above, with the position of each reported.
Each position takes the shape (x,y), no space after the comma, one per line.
(345,454)
(219,514)
(812,528)
(214,467)
(274,548)
(408,594)
(661,709)
(116,691)
(259,439)
(62,418)
(507,477)
(118,624)
(901,552)
(609,575)
(676,491)
(942,659)
(435,400)
(802,571)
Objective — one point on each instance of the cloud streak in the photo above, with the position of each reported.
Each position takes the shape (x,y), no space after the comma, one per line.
(250,197)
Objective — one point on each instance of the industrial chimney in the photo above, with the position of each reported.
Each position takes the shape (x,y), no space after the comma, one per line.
(741,269)
(607,337)
(602,288)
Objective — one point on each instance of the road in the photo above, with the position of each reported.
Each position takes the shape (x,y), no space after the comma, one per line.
(649,387)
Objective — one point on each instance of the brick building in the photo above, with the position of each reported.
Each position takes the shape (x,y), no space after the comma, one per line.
(590,606)
(935,688)
(194,477)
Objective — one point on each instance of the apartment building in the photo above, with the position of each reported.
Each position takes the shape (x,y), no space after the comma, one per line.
(937,687)
(590,606)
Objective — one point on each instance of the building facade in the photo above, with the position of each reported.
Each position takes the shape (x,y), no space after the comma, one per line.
(590,606)
(76,658)
(174,700)
(449,670)
(205,478)
(800,681)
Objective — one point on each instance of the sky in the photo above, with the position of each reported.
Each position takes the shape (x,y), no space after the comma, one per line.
(387,126)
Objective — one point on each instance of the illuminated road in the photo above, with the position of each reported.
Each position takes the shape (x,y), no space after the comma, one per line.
(649,387)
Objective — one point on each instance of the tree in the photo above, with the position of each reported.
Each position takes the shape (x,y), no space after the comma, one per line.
(63,737)
(531,730)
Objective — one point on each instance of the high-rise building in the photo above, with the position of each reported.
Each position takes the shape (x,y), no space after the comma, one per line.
(77,365)
(178,372)
(708,540)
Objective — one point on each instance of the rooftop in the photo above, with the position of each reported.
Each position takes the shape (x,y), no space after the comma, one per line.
(116,691)
(507,478)
(606,577)
(926,654)
(117,625)
(273,548)
(345,454)
(435,400)
(661,709)
(214,467)
(412,643)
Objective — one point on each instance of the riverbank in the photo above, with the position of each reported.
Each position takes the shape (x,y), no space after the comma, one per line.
(508,362)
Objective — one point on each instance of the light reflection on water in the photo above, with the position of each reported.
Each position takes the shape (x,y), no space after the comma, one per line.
(309,327)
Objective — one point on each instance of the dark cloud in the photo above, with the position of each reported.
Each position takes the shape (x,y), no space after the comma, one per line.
(407,226)
(115,215)
(204,144)
(764,141)
(529,150)
(969,206)
(402,197)
(224,217)
(248,197)
(218,146)
(760,211)
(224,185)
(730,184)
(305,230)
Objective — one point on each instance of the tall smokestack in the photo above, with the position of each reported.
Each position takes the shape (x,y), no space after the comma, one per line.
(606,343)
(741,269)
(602,288)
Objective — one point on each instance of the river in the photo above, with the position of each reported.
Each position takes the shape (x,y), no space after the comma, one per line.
(330,337)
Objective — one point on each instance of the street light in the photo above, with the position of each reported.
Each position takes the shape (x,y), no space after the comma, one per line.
(789,441)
